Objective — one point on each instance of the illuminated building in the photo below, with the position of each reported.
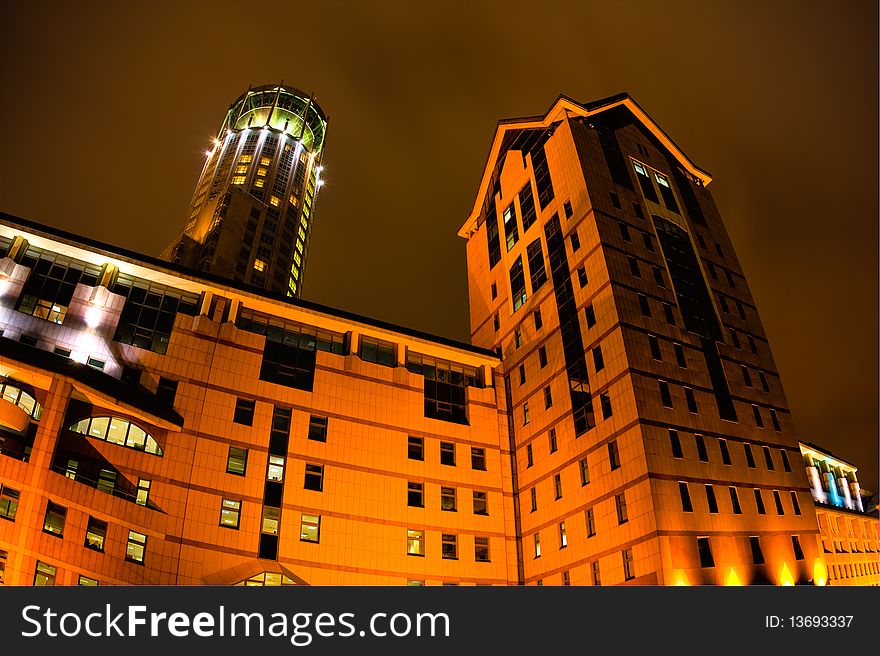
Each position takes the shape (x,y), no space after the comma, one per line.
(650,437)
(848,530)
(251,215)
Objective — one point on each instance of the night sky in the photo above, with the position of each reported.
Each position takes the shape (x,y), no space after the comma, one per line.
(107,111)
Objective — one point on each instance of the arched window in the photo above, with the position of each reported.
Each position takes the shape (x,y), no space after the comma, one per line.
(14,392)
(117,430)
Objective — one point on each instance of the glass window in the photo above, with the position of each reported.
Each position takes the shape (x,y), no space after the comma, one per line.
(143,492)
(415,448)
(310,528)
(136,547)
(415,542)
(236,461)
(537,545)
(275,469)
(734,501)
(150,309)
(757,554)
(230,513)
(585,471)
(318,428)
(620,504)
(8,503)
(447,453)
(449,546)
(86,581)
(518,284)
(244,412)
(415,495)
(481,503)
(705,550)
(629,571)
(54,520)
(481,550)
(478,458)
(314,478)
(111,429)
(96,533)
(44,575)
(377,351)
(613,455)
(447,499)
(271,520)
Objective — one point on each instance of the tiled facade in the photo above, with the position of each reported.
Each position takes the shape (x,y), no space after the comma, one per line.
(619,418)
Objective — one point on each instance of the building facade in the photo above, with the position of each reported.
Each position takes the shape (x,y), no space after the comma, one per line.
(848,529)
(252,211)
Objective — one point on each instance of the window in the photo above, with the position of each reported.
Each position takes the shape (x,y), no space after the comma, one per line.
(620,504)
(605,402)
(517,337)
(701,448)
(44,575)
(613,455)
(643,305)
(522,374)
(143,492)
(537,545)
(50,286)
(148,315)
(539,322)
(667,312)
(318,428)
(166,390)
(637,209)
(624,232)
(526,417)
(582,277)
(778,501)
(96,533)
(551,436)
(557,485)
(563,538)
(615,200)
(711,500)
(415,542)
(86,581)
(415,495)
(535,257)
(494,290)
(533,493)
(517,284)
(734,501)
(725,453)
(449,546)
(496,322)
(757,554)
(590,315)
(136,547)
(107,481)
(768,458)
(95,363)
(634,267)
(684,493)
(259,265)
(764,385)
(314,478)
(675,443)
(655,348)
(481,550)
(795,504)
(594,566)
(585,471)
(735,338)
(310,528)
(117,430)
(377,351)
(591,522)
(665,396)
(478,458)
(752,345)
(415,448)
(230,513)
(796,546)
(645,182)
(666,192)
(691,400)
(759,502)
(510,228)
(54,520)
(529,456)
(649,242)
(447,454)
(8,503)
(575,241)
(481,503)
(759,421)
(271,520)
(542,356)
(750,459)
(566,578)
(598,360)
(679,355)
(236,461)
(774,419)
(705,551)
(629,571)
(447,499)
(548,398)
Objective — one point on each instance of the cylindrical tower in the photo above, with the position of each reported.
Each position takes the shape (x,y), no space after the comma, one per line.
(251,214)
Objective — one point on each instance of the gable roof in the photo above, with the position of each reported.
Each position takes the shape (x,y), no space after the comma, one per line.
(563,107)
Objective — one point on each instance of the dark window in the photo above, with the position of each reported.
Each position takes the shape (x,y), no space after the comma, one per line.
(539,322)
(147,317)
(675,442)
(535,257)
(615,201)
(613,456)
(314,478)
(449,546)
(517,284)
(741,311)
(655,348)
(759,502)
(638,211)
(713,273)
(318,428)
(594,566)
(527,206)
(634,267)
(711,500)
(522,374)
(447,499)
(734,337)
(645,182)
(591,522)
(684,493)
(166,390)
(96,363)
(511,233)
(759,421)
(96,533)
(605,402)
(542,356)
(768,458)
(585,471)
(795,504)
(705,551)
(496,324)
(494,241)
(624,232)
(774,419)
(494,290)
(649,242)
(481,550)
(557,485)
(54,520)
(530,460)
(415,495)
(750,459)
(582,276)
(620,504)
(763,379)
(415,448)
(566,207)
(542,176)
(757,554)
(665,396)
(447,453)
(590,315)
(701,448)
(718,250)
(725,454)
(629,568)
(478,458)
(533,493)
(481,503)
(668,314)
(643,305)
(691,400)
(598,360)
(679,355)
(236,461)
(753,346)
(734,501)
(778,501)
(244,412)
(377,351)
(551,437)
(445,384)
(666,192)
(785,463)
(730,280)
(49,288)
(279,435)
(796,546)
(575,241)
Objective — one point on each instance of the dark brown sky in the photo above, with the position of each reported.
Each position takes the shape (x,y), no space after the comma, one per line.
(106,111)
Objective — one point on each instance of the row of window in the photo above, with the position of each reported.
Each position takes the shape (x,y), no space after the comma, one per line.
(837,572)
(416,451)
(691,401)
(736,508)
(415,546)
(703,453)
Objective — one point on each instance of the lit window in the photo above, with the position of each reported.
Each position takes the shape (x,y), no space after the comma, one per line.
(117,431)
(241,168)
(563,537)
(264,161)
(54,520)
(236,461)
(415,542)
(246,159)
(9,503)
(259,182)
(310,528)
(44,574)
(96,533)
(271,518)
(87,582)
(238,179)
(537,545)
(136,547)
(261,172)
(230,513)
(143,492)
(259,265)
(274,201)
(275,469)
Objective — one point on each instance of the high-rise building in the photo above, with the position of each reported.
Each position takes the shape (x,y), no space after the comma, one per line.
(650,435)
(251,215)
